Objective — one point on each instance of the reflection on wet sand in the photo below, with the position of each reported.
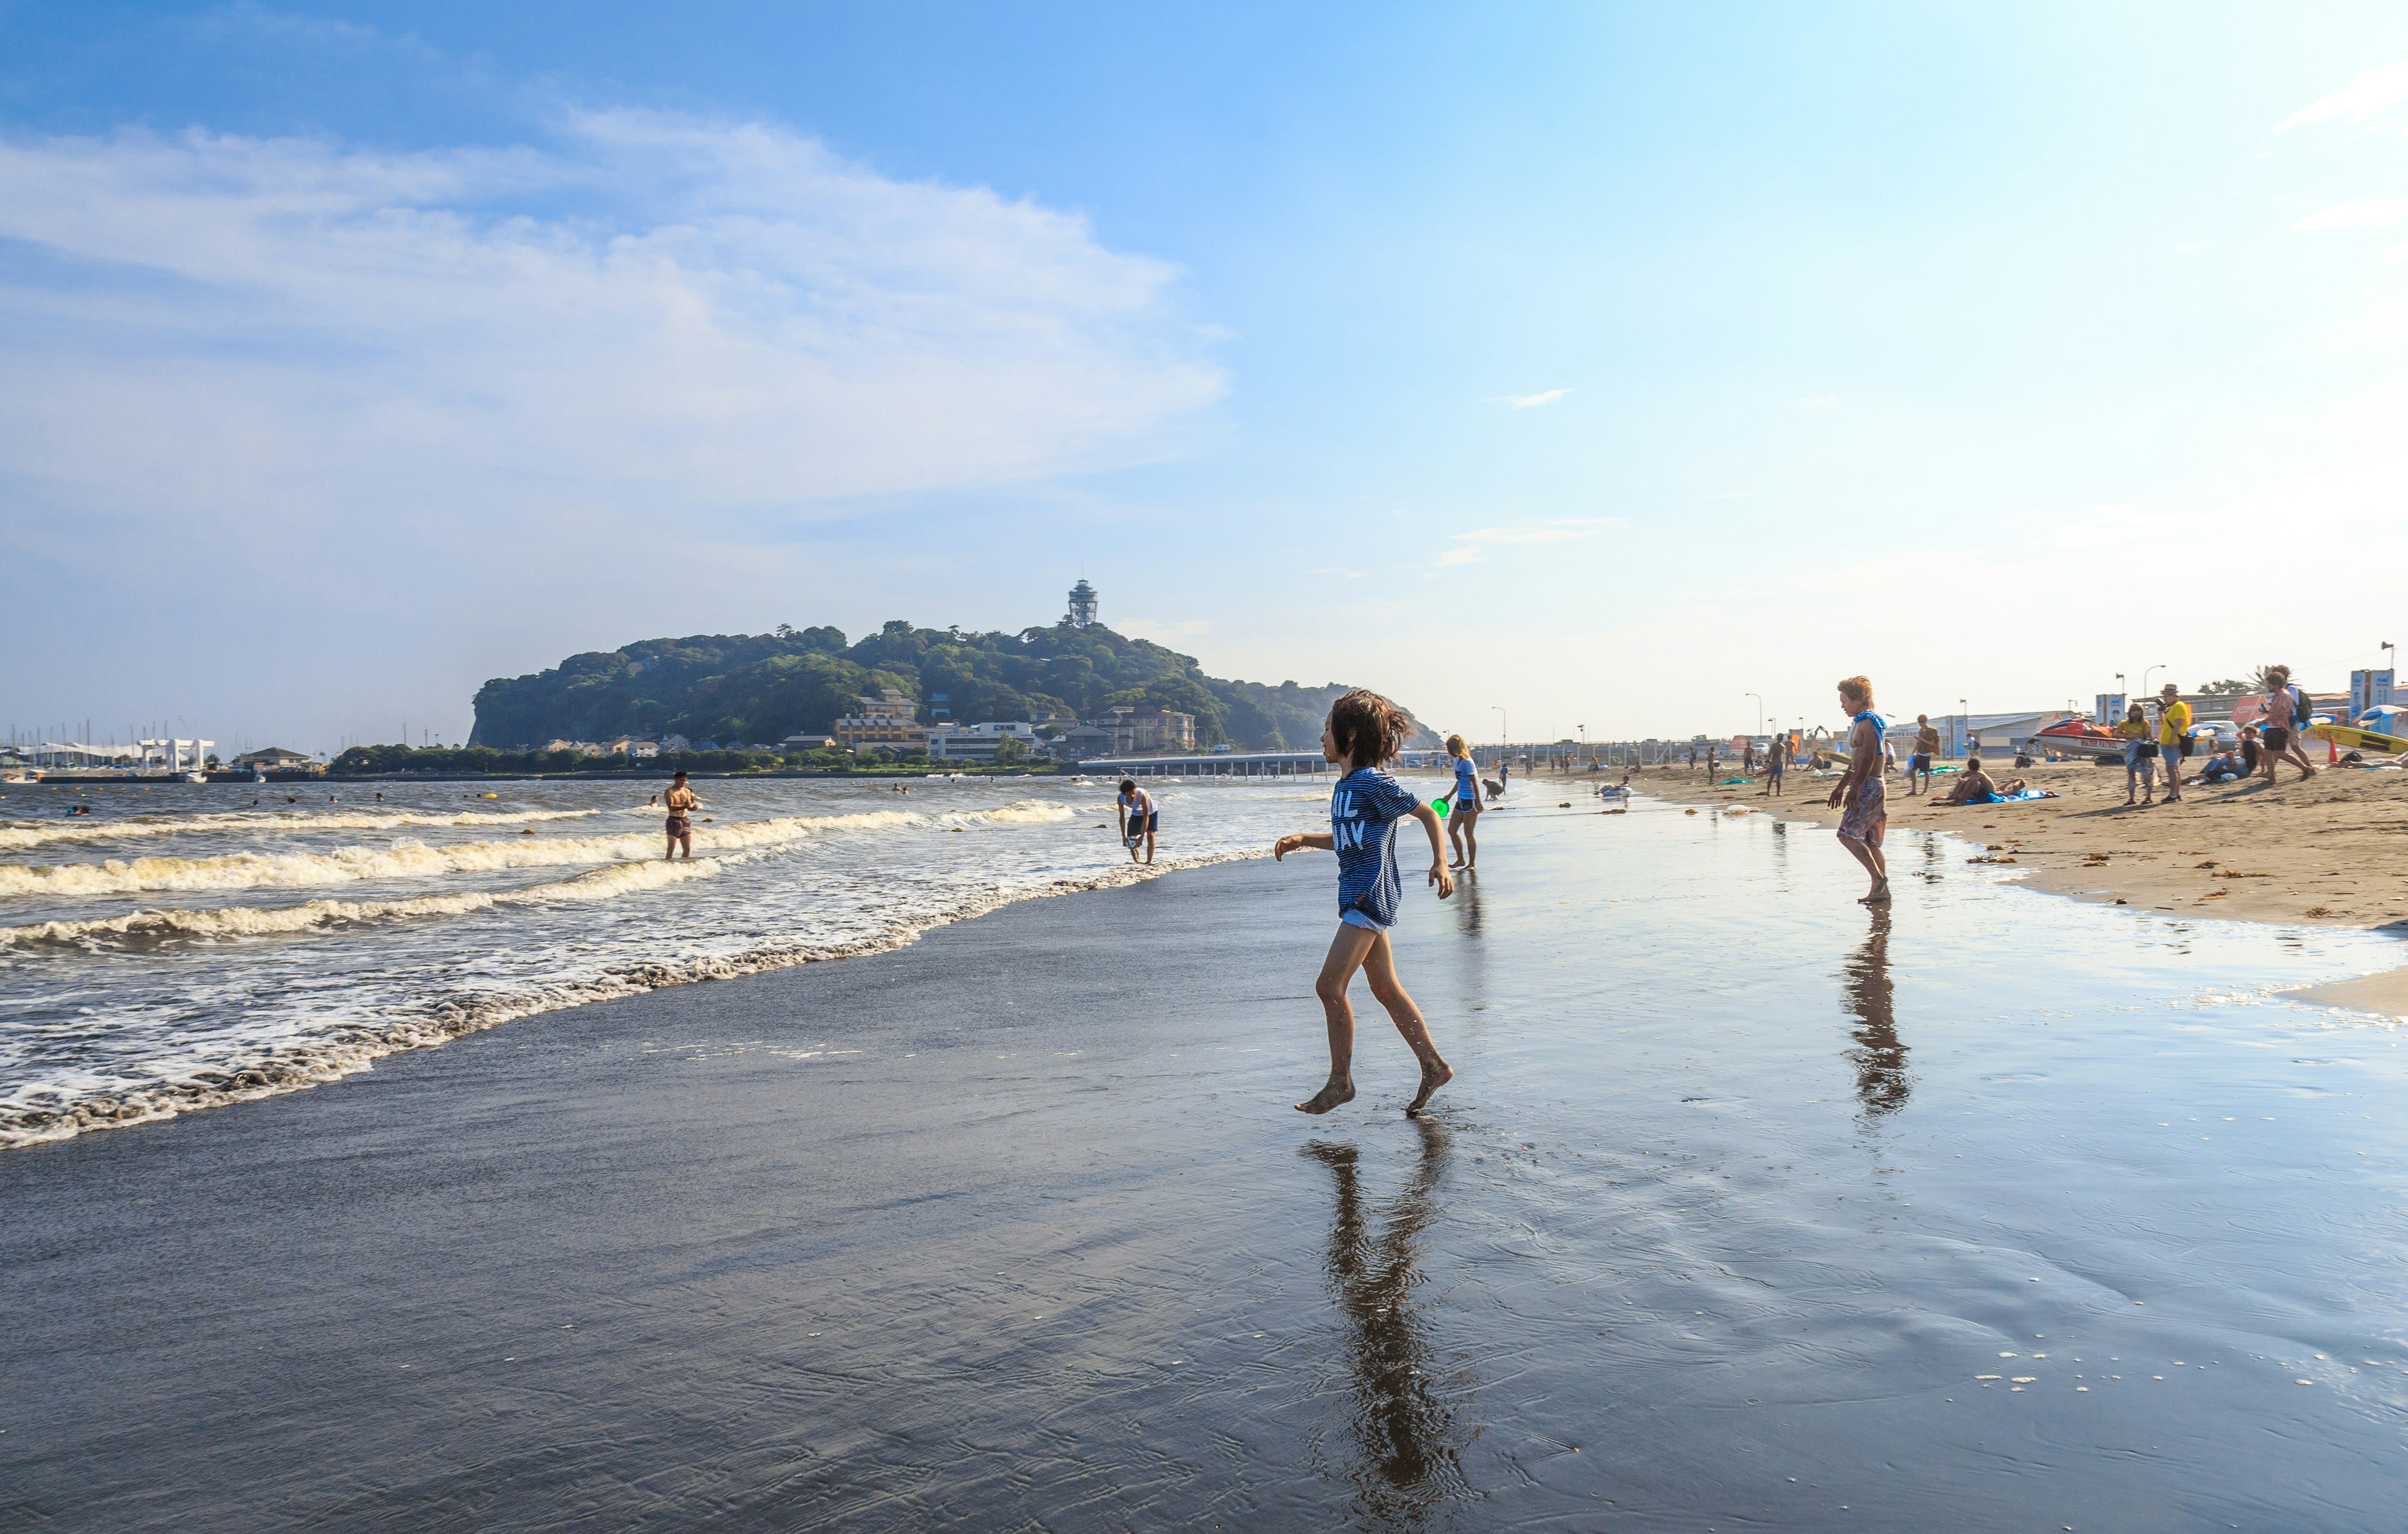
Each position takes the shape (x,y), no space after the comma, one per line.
(1407,1443)
(1880,1060)
(1466,905)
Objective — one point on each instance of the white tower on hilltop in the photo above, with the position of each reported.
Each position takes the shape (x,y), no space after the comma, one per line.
(1083,604)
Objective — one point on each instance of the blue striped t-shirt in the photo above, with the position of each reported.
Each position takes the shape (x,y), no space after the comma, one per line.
(1364,810)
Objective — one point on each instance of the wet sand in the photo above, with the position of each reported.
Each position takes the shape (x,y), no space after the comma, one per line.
(2332,850)
(1748,1207)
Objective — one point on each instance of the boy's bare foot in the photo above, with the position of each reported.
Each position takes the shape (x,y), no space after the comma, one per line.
(1337,1094)
(1434,1076)
(1880,895)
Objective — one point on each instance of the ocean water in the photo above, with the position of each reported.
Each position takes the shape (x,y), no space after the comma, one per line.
(184,946)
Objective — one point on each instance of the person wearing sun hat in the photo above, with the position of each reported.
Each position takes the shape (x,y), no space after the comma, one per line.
(2173,727)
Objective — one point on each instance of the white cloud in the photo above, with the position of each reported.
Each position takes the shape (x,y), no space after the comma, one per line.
(1475,544)
(2370,213)
(650,310)
(2361,99)
(1531,402)
(1819,401)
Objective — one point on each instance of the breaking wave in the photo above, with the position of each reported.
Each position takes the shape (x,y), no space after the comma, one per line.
(260,921)
(54,1113)
(406,860)
(23,834)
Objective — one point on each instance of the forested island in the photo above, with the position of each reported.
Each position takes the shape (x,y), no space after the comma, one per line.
(763,688)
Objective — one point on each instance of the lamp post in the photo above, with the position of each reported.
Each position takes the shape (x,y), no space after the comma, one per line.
(1504,734)
(1759,709)
(2144,677)
(1969,726)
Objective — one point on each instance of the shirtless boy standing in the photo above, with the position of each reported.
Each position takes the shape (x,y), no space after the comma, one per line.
(679,802)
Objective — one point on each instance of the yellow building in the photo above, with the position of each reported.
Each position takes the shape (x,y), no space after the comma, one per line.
(886,723)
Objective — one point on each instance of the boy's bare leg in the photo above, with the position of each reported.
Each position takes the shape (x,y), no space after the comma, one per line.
(1380,969)
(1870,855)
(1346,951)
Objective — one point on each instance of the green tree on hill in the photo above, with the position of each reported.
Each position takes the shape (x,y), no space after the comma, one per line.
(761,687)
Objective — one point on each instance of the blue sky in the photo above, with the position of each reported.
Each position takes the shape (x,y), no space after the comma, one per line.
(1605,364)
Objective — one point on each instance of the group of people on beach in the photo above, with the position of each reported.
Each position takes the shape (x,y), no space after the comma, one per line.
(1364,731)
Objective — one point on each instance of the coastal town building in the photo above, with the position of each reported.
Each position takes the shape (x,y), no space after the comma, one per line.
(273,759)
(885,723)
(1149,727)
(1080,742)
(807,740)
(980,742)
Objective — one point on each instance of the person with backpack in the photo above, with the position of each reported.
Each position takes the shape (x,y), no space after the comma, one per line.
(2286,714)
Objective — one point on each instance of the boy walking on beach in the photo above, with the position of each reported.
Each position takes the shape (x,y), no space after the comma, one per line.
(1776,757)
(1926,745)
(1863,791)
(1363,733)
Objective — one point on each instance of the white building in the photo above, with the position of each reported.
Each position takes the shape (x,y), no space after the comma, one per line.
(980,742)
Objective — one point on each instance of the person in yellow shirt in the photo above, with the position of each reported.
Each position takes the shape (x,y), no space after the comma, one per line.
(2140,756)
(2173,725)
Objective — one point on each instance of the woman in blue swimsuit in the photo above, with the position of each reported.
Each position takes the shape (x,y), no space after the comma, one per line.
(1466,805)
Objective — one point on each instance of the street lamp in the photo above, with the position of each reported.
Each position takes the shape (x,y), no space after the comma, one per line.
(1759,709)
(1969,746)
(1504,734)
(2144,677)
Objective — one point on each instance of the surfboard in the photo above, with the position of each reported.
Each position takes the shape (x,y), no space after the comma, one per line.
(2363,740)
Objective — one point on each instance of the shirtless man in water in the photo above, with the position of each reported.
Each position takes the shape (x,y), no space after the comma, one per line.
(679,802)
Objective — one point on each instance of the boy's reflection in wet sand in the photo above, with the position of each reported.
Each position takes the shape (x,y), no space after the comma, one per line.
(1408,1442)
(1880,1060)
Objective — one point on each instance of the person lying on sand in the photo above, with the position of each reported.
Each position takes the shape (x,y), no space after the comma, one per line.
(2224,767)
(1975,786)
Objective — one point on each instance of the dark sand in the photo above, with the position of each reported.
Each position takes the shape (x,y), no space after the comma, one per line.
(1738,1196)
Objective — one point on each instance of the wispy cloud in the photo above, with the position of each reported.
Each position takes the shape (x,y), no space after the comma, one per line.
(1162,633)
(2362,100)
(1473,545)
(1819,401)
(2371,213)
(1530,401)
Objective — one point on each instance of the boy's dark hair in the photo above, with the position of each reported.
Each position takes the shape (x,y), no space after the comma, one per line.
(1128,785)
(1368,728)
(681,774)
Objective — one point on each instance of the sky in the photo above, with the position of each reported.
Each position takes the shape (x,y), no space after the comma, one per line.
(1560,370)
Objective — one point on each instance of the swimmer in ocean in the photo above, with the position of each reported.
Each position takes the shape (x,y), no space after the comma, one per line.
(679,802)
(1364,731)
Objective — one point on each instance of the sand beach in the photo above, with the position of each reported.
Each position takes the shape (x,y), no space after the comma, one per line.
(1996,1211)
